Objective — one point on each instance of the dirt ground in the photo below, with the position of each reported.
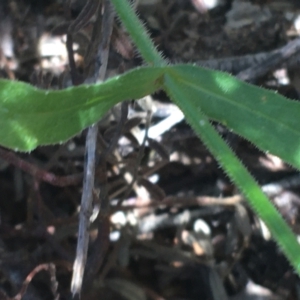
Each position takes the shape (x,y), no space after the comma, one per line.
(174,226)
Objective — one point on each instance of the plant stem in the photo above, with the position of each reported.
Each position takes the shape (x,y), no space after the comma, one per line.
(138,33)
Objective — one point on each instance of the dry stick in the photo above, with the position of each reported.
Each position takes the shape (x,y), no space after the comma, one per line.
(101,243)
(98,55)
(86,14)
(272,62)
(85,211)
(47,267)
(40,174)
(112,145)
(88,183)
(98,65)
(179,201)
(138,161)
(252,66)
(84,17)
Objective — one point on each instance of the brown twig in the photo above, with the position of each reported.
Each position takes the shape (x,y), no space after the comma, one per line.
(137,163)
(272,62)
(176,201)
(38,173)
(47,267)
(84,17)
(98,250)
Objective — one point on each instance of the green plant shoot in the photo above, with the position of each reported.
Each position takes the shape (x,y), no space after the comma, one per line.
(30,117)
(199,94)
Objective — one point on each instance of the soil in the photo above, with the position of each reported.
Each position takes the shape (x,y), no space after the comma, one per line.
(183,230)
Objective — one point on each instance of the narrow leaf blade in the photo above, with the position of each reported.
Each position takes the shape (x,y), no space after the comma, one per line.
(30,117)
(180,94)
(268,120)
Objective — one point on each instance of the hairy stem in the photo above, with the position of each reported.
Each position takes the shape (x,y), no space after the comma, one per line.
(138,33)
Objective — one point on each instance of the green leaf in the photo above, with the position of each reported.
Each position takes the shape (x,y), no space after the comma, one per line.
(30,117)
(179,91)
(189,86)
(268,120)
